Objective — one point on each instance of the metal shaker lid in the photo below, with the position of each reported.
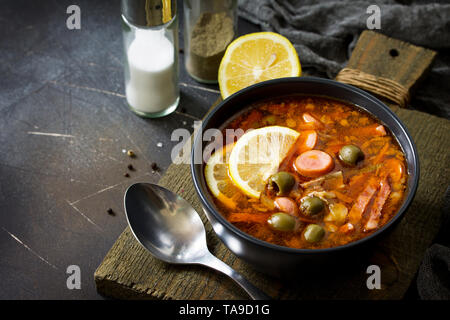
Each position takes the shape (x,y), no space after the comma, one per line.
(148,13)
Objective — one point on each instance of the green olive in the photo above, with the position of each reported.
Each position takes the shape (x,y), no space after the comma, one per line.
(282,221)
(282,182)
(312,205)
(269,120)
(314,233)
(350,154)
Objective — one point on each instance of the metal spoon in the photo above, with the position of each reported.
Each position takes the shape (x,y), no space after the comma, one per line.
(171,230)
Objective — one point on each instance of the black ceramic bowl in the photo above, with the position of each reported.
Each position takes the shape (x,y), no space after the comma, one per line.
(278,260)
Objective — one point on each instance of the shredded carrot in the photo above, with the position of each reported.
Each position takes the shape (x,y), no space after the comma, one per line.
(248,217)
(375,140)
(372,130)
(381,154)
(226,201)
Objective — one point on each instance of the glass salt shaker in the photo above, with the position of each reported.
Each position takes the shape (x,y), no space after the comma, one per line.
(209,27)
(150,35)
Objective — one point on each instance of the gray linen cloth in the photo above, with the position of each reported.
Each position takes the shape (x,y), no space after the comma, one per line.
(325,32)
(433,279)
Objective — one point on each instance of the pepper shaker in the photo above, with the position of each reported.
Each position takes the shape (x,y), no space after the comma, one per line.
(209,26)
(150,35)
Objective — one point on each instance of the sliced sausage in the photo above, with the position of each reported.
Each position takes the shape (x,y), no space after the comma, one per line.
(287,205)
(313,163)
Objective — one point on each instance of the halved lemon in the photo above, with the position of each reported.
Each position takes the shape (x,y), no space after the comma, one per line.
(256,57)
(257,155)
(217,178)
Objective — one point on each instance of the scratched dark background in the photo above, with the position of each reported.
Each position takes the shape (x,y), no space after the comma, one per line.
(63,126)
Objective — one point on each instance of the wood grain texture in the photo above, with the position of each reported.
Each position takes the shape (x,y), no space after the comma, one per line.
(129,271)
(396,60)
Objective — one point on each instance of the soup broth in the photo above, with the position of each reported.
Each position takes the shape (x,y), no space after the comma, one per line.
(343,178)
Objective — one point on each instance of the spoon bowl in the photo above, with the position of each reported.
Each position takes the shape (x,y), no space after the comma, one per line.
(172,231)
(165,224)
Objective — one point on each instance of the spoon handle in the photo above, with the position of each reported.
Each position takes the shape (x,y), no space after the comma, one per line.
(214,263)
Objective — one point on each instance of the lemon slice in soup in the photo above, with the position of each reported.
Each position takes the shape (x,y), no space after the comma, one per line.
(218,180)
(257,155)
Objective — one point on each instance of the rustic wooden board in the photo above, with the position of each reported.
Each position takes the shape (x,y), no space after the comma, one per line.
(390,58)
(129,271)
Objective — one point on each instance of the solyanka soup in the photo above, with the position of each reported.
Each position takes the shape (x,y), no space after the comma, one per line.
(307,172)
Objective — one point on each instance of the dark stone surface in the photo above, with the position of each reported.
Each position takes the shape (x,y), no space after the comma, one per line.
(55,190)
